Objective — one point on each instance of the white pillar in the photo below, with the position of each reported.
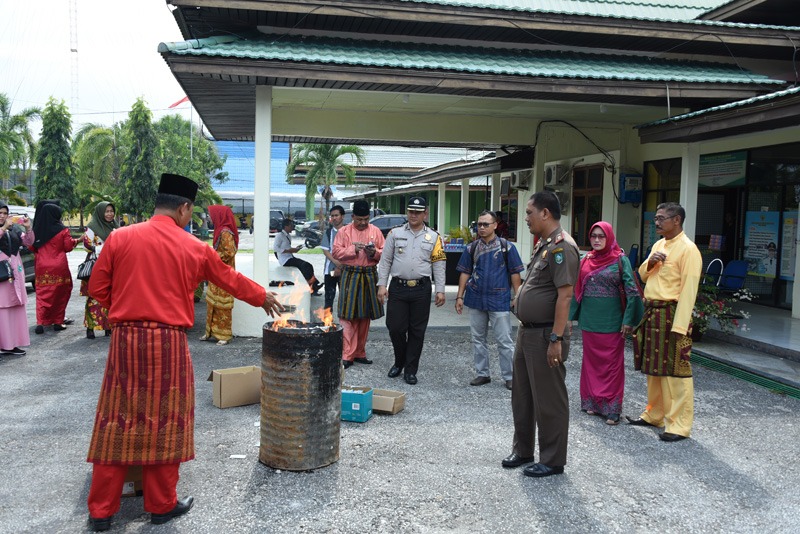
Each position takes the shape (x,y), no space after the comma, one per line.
(246,320)
(464,217)
(441,206)
(496,184)
(690,171)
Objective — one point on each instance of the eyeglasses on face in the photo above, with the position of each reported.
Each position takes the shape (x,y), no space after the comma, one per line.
(660,218)
(484,225)
(597,236)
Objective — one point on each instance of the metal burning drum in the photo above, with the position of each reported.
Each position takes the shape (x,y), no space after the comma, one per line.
(301,395)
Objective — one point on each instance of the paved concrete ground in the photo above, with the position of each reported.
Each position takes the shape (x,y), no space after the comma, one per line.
(434,467)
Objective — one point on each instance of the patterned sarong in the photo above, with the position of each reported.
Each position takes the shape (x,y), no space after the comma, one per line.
(655,351)
(359,293)
(145,414)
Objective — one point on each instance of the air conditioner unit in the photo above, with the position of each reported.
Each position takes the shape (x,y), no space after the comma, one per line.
(554,174)
(520,179)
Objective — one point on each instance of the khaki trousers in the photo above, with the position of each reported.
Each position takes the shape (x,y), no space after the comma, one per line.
(539,398)
(670,403)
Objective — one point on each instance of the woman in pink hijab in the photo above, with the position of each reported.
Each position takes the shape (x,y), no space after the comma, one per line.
(607,306)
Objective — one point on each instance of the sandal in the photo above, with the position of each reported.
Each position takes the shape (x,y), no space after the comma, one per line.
(612,419)
(222,342)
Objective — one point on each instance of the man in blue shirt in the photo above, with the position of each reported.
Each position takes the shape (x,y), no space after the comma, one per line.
(489,268)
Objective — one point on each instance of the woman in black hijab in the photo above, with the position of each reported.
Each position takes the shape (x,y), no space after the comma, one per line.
(53,277)
(13,297)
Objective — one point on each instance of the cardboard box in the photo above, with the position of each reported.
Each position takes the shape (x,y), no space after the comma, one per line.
(356,404)
(237,386)
(387,401)
(133,482)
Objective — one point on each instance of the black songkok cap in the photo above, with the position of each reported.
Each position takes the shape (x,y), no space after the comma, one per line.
(360,208)
(175,184)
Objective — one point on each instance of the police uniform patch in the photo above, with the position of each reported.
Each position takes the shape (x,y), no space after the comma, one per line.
(559,257)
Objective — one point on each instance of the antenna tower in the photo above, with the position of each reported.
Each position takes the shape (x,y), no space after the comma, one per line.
(73,53)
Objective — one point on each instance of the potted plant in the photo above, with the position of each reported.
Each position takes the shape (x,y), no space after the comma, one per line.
(713,303)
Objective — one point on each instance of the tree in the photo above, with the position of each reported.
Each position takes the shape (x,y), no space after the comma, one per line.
(324,163)
(197,159)
(17,146)
(138,175)
(55,177)
(98,154)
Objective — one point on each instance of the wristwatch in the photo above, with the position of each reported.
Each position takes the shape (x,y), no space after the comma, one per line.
(555,338)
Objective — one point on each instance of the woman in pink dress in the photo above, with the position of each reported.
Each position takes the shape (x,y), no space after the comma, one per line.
(53,278)
(13,297)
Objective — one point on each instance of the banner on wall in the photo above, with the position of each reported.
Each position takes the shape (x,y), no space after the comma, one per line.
(723,170)
(789,245)
(761,243)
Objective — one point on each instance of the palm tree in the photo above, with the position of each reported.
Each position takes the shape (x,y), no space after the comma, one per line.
(324,163)
(17,146)
(98,152)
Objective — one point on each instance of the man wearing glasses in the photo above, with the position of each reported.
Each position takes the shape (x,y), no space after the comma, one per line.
(358,246)
(662,345)
(412,254)
(489,281)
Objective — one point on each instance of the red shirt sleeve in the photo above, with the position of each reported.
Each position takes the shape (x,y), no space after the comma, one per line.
(230,280)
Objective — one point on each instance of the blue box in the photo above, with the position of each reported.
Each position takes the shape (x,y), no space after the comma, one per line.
(356,404)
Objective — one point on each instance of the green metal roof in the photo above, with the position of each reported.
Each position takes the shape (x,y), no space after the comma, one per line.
(645,9)
(504,62)
(733,105)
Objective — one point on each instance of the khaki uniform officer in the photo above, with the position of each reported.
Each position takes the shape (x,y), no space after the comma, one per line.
(539,393)
(412,253)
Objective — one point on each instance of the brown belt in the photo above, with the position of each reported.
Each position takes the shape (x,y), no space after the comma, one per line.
(535,325)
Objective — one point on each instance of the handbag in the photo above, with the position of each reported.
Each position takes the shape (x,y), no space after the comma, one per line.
(6,271)
(85,268)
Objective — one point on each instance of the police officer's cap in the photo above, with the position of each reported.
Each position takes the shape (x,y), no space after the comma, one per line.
(417,204)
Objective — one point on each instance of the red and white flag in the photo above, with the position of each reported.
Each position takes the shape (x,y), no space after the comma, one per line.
(179,102)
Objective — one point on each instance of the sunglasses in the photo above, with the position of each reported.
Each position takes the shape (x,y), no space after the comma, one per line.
(484,225)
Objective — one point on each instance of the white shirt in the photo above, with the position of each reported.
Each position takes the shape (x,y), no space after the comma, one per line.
(283,242)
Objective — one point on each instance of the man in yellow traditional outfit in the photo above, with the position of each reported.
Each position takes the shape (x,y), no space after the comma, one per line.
(662,344)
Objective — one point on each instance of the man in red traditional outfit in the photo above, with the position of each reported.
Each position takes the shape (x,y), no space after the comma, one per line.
(146,278)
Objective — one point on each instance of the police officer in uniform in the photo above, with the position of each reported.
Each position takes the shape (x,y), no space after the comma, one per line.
(412,253)
(539,393)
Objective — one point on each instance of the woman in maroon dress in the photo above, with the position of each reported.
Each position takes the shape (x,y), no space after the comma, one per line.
(53,278)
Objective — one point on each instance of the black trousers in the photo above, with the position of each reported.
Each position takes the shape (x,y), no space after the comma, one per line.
(331,283)
(407,314)
(305,268)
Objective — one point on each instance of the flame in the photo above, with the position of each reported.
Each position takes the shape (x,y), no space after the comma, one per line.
(292,301)
(325,316)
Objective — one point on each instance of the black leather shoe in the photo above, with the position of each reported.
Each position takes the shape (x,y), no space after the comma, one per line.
(541,470)
(68,321)
(89,333)
(480,380)
(509,385)
(365,360)
(347,364)
(410,379)
(59,327)
(515,460)
(39,329)
(99,524)
(394,372)
(669,436)
(183,506)
(637,422)
(108,333)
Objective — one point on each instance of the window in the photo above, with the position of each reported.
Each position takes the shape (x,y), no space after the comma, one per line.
(587,202)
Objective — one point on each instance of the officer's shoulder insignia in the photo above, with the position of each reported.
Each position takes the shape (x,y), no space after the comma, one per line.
(559,238)
(559,257)
(559,249)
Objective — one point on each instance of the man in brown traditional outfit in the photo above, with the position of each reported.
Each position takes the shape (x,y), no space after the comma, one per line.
(146,278)
(662,343)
